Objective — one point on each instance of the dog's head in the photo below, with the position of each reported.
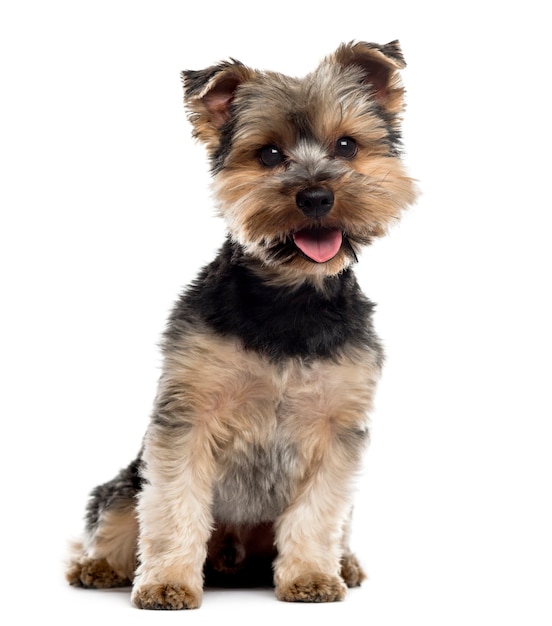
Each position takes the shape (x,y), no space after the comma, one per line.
(306,171)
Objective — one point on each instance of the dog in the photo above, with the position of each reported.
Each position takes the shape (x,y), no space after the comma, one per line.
(270,359)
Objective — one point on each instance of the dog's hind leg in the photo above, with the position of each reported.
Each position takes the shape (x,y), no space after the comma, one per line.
(107,555)
(351,570)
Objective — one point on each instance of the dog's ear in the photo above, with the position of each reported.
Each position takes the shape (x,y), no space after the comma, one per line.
(208,95)
(380,67)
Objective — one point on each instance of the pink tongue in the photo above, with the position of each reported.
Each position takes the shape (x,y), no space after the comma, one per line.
(319,244)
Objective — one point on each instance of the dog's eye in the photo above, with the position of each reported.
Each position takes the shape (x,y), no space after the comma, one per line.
(346,148)
(271,156)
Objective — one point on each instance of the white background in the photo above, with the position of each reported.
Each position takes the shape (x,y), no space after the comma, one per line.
(105,216)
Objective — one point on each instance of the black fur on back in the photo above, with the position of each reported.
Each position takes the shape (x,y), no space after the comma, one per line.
(115,494)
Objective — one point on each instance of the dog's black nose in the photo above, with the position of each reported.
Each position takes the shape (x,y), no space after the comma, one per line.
(315,201)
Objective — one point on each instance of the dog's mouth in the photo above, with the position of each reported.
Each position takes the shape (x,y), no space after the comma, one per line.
(319,244)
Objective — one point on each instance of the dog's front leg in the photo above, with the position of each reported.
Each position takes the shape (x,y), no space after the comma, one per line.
(309,534)
(175,519)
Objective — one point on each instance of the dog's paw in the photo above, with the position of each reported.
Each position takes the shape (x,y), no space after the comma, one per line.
(165,597)
(95,574)
(351,572)
(313,587)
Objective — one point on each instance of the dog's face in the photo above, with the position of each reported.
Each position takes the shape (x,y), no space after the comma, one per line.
(306,171)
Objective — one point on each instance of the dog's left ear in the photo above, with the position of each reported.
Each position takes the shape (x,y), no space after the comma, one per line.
(208,96)
(380,66)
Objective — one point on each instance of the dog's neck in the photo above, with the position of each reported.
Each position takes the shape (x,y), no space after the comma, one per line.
(284,277)
(233,297)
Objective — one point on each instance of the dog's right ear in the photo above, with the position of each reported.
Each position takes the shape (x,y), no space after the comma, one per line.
(208,96)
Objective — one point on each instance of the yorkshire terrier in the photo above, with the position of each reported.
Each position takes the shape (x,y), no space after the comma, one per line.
(246,472)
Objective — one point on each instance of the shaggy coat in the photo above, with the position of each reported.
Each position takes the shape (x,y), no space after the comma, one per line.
(270,360)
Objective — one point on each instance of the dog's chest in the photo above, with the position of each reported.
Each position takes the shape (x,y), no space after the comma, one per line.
(289,419)
(270,422)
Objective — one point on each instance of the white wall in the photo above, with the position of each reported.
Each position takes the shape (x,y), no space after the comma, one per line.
(105,215)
